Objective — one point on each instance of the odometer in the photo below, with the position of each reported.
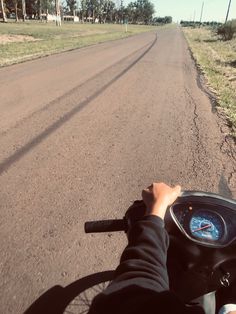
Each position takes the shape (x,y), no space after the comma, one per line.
(206,225)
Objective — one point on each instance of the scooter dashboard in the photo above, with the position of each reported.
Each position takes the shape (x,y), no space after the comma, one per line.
(205,218)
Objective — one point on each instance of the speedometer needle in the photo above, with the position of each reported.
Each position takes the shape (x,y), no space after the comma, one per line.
(207,226)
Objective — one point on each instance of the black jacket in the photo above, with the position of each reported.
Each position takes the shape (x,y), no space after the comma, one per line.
(141,280)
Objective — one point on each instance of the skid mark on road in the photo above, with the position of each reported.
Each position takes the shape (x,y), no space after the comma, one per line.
(67,116)
(54,102)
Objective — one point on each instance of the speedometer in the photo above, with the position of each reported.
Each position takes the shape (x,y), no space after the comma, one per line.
(206,225)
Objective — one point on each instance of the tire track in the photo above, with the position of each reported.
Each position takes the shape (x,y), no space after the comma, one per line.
(65,117)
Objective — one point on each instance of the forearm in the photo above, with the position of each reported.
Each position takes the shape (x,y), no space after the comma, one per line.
(145,256)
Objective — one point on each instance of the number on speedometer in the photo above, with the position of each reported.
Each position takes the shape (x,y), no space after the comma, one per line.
(206,225)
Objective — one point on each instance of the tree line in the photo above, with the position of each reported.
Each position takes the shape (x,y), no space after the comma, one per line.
(100,11)
(198,23)
(226,31)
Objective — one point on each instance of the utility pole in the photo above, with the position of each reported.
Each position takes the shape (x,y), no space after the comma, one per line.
(227,14)
(201,13)
(121,6)
(194,15)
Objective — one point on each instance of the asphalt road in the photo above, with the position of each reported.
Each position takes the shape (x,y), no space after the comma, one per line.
(81,133)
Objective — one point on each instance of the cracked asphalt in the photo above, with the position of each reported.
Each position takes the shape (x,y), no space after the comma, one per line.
(81,133)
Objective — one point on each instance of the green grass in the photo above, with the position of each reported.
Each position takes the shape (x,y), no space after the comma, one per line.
(52,39)
(217,60)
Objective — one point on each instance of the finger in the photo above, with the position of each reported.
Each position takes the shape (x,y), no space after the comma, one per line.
(177,190)
(146,192)
(150,187)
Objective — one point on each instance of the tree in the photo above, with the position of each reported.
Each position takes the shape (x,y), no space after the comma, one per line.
(15,3)
(3,11)
(168,19)
(23,9)
(162,20)
(71,4)
(83,9)
(140,11)
(45,6)
(227,30)
(58,12)
(95,7)
(105,10)
(109,9)
(130,12)
(118,11)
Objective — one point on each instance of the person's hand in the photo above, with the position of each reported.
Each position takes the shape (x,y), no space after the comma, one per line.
(158,197)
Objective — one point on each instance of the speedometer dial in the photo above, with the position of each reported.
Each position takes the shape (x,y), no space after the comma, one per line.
(207,225)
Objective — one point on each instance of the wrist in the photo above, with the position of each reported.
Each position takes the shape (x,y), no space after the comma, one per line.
(159,209)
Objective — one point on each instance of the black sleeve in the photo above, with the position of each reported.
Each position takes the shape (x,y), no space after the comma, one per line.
(141,279)
(144,258)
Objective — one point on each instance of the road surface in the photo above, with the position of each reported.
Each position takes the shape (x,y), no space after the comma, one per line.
(81,133)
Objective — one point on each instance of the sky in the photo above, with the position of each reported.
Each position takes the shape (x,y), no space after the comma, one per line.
(214,10)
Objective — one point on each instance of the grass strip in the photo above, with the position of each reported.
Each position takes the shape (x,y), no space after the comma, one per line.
(48,39)
(217,60)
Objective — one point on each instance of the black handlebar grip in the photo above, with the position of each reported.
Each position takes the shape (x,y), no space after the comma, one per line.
(105,226)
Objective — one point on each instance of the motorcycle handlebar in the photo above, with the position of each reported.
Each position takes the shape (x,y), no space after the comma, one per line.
(105,226)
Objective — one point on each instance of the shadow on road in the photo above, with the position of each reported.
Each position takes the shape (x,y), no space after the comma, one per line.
(67,116)
(56,299)
(223,188)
